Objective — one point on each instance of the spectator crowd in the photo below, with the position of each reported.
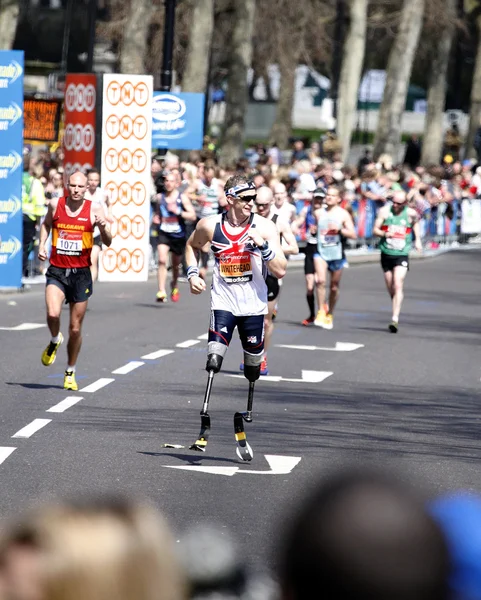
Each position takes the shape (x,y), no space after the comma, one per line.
(444,195)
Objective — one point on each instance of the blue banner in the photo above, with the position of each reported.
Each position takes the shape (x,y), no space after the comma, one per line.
(11,167)
(178,121)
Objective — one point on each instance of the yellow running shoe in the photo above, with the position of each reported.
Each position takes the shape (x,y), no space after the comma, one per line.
(69,382)
(328,321)
(320,318)
(50,353)
(161,297)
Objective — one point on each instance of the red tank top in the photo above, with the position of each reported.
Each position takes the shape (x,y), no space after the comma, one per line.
(72,237)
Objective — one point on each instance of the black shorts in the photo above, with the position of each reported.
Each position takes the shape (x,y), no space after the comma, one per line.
(309,252)
(176,245)
(98,241)
(388,261)
(76,284)
(251,330)
(273,287)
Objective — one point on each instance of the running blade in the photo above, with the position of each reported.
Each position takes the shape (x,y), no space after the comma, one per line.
(243,450)
(201,443)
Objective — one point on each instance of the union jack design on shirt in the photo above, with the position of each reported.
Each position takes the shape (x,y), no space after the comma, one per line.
(239,277)
(234,254)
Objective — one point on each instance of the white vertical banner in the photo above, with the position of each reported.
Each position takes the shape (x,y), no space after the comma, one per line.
(471,216)
(126,157)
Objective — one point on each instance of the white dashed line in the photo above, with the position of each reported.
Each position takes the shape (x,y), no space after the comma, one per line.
(157,354)
(97,385)
(188,343)
(5,453)
(31,428)
(62,406)
(204,336)
(130,366)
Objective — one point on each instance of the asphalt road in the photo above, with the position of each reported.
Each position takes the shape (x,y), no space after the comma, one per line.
(408,402)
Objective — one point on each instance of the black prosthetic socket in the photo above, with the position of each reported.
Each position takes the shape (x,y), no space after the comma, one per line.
(252,372)
(214,363)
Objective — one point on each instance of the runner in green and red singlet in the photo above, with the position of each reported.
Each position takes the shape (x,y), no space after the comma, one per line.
(395,225)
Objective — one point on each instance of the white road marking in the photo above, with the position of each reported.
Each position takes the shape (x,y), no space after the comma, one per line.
(130,366)
(64,404)
(5,452)
(31,428)
(157,354)
(229,471)
(279,465)
(307,377)
(97,385)
(24,327)
(188,343)
(204,336)
(339,347)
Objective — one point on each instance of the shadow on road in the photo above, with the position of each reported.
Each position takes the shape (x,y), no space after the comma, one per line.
(35,386)
(192,458)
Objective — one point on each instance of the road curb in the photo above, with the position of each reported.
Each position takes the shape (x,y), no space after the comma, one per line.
(374,256)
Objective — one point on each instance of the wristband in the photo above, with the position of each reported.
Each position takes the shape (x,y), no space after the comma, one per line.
(267,253)
(192,272)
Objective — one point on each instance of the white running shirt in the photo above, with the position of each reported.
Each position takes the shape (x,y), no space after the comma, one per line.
(239,277)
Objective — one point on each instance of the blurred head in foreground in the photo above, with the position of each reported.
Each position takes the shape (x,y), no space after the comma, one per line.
(93,550)
(361,536)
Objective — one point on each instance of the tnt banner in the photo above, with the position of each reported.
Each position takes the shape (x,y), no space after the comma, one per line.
(80,120)
(41,120)
(126,151)
(11,167)
(178,121)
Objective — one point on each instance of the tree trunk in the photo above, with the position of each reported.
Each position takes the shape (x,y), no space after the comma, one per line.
(290,25)
(282,126)
(196,72)
(240,55)
(353,58)
(9,10)
(475,109)
(398,74)
(135,35)
(433,130)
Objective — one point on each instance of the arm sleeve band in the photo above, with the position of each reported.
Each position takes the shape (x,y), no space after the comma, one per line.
(192,272)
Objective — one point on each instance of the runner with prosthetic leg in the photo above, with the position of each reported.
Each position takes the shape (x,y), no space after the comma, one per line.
(243,244)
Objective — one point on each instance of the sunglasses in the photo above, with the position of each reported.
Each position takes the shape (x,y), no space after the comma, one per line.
(246,198)
(265,205)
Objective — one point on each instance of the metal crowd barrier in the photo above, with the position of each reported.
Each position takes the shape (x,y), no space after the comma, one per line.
(444,224)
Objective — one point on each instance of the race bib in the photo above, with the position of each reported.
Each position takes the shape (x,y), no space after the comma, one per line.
(71,245)
(395,243)
(170,225)
(236,268)
(329,240)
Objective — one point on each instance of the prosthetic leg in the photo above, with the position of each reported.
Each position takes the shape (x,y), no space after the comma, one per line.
(215,356)
(252,371)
